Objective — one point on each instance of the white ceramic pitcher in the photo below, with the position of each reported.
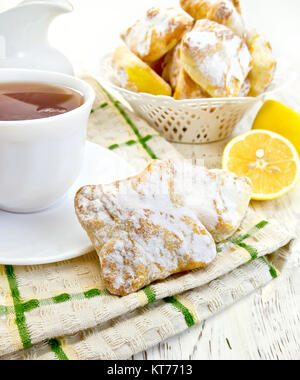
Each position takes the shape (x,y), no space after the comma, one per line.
(24,36)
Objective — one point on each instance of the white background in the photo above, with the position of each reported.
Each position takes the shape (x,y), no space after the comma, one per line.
(94,26)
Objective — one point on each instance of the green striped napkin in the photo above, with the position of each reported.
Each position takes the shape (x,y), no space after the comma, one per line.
(62,311)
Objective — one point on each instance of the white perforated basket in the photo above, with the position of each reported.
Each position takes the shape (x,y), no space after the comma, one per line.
(196,121)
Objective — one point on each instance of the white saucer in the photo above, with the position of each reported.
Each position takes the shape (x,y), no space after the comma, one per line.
(55,234)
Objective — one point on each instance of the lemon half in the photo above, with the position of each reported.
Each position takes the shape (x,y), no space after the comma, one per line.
(268,159)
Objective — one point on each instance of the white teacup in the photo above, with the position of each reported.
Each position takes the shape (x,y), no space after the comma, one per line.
(41,159)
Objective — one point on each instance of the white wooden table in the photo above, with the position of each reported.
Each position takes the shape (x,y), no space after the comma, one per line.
(266,325)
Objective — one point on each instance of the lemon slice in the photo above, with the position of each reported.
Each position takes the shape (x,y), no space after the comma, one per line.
(268,159)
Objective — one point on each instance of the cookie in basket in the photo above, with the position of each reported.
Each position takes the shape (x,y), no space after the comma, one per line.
(264,64)
(171,66)
(226,12)
(216,59)
(245,90)
(159,32)
(141,229)
(182,84)
(186,88)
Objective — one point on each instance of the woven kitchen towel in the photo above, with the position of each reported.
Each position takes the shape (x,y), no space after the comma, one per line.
(148,326)
(40,303)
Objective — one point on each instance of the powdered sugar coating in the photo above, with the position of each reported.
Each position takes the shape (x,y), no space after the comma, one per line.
(157,33)
(147,227)
(226,12)
(142,230)
(216,59)
(219,198)
(202,39)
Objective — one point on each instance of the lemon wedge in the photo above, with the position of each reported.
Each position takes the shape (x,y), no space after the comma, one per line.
(268,159)
(135,75)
